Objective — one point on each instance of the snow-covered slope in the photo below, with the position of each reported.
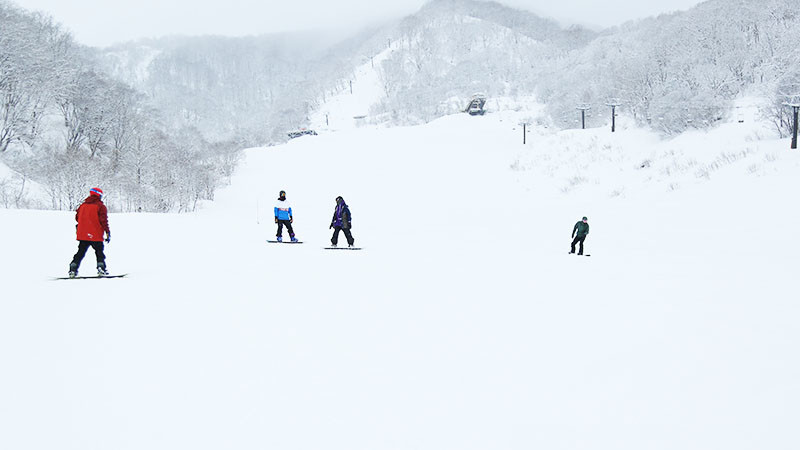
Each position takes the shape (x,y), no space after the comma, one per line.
(348,110)
(17,191)
(462,324)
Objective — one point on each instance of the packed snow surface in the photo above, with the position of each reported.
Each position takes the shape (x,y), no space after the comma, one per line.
(463,324)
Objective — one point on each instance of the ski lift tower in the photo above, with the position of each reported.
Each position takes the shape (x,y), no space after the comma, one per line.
(613,103)
(795,105)
(583,108)
(525,132)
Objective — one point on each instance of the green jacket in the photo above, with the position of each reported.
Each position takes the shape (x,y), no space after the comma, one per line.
(581,228)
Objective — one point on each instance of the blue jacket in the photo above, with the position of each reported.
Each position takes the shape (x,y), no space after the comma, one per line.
(283,210)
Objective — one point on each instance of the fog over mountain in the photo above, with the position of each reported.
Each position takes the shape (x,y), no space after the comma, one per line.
(111,23)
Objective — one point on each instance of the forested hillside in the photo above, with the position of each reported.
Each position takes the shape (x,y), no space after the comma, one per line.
(671,73)
(683,70)
(66,125)
(454,48)
(258,88)
(251,89)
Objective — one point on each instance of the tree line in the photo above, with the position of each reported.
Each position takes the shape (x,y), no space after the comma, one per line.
(671,73)
(68,126)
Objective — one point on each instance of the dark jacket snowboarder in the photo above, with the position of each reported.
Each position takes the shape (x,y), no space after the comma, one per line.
(341,215)
(579,233)
(92,218)
(341,221)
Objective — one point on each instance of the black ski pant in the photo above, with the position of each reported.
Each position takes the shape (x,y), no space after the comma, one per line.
(83,246)
(335,238)
(577,240)
(288,224)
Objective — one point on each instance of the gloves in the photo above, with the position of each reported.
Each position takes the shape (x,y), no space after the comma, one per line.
(276,220)
(108,238)
(291,219)
(330,226)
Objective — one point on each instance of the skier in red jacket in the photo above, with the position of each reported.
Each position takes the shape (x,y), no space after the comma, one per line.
(92,218)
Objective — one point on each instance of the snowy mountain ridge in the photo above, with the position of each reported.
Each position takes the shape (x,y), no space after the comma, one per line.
(700,59)
(672,73)
(519,20)
(213,90)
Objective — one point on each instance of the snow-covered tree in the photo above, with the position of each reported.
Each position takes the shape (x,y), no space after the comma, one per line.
(68,125)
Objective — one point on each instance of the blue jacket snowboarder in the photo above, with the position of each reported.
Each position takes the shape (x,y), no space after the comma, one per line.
(283,217)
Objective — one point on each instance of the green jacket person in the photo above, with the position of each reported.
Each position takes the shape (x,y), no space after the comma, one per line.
(579,233)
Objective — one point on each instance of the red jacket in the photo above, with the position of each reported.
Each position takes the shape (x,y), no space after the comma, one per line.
(92,218)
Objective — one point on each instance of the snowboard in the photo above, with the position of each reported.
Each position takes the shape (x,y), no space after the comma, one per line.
(284,242)
(342,248)
(577,254)
(91,277)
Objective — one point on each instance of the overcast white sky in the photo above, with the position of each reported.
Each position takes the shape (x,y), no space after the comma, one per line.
(105,22)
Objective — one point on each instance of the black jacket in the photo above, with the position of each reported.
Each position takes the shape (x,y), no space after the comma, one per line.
(341,216)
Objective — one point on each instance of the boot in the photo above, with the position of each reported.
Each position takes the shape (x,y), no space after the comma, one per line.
(73,270)
(279,239)
(294,239)
(101,269)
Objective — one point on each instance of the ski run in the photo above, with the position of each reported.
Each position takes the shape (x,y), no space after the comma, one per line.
(464,324)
